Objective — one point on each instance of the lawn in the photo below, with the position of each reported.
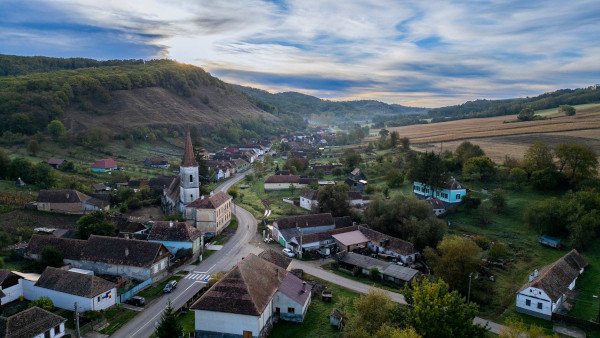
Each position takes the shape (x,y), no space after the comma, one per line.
(186,320)
(587,286)
(316,322)
(254,195)
(157,291)
(386,285)
(117,317)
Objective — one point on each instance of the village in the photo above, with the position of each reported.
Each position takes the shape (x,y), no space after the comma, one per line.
(303,209)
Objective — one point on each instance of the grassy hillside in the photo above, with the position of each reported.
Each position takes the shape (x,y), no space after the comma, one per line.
(307,105)
(120,95)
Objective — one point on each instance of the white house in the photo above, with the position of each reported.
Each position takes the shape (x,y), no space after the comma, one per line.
(65,288)
(437,205)
(548,288)
(284,229)
(308,199)
(176,236)
(34,322)
(249,298)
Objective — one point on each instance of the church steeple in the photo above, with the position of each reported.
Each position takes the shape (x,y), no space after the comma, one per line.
(189,160)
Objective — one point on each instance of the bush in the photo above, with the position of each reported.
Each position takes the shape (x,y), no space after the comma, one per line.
(134,203)
(498,251)
(233,192)
(356,271)
(470,203)
(482,242)
(546,179)
(51,256)
(374,274)
(44,303)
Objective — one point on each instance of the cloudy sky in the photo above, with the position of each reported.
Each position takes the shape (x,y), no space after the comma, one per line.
(421,53)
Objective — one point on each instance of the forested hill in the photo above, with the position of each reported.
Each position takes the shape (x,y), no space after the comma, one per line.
(488,108)
(306,105)
(23,65)
(122,97)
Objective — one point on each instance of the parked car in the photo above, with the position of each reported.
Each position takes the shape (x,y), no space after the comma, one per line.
(172,285)
(136,301)
(288,252)
(209,236)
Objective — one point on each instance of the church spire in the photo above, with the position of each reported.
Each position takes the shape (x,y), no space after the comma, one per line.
(188,156)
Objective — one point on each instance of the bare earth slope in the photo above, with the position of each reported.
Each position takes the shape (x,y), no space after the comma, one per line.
(156,107)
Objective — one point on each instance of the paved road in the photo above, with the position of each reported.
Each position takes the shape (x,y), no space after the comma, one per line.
(143,325)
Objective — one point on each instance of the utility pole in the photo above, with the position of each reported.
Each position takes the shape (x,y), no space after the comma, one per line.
(77,321)
(469,293)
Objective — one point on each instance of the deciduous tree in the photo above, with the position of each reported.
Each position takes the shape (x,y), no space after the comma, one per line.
(517,176)
(334,199)
(467,150)
(96,223)
(479,169)
(567,110)
(538,157)
(577,161)
(56,129)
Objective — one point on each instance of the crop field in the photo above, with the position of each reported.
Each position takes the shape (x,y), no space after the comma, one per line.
(501,135)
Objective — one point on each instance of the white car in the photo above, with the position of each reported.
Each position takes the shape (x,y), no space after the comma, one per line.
(288,252)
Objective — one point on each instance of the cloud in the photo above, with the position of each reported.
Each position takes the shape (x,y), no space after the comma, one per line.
(411,52)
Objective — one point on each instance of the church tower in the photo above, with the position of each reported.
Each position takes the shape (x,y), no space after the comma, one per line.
(189,187)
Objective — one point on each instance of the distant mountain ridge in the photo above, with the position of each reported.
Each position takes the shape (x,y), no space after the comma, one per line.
(294,102)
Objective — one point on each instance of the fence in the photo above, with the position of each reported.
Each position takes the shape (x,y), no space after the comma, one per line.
(586,324)
(125,296)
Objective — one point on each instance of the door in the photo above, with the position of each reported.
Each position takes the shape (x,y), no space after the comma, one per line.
(277,311)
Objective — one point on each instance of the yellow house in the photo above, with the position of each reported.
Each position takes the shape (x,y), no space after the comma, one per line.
(210,213)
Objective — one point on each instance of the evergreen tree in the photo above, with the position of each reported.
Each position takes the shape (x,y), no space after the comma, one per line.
(168,326)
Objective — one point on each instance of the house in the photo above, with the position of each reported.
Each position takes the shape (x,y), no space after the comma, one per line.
(450,194)
(100,187)
(136,259)
(385,245)
(157,162)
(136,185)
(69,202)
(356,174)
(33,322)
(176,236)
(388,271)
(283,182)
(437,205)
(284,229)
(322,240)
(249,299)
(65,288)
(349,241)
(210,213)
(356,199)
(356,185)
(308,199)
(55,162)
(104,165)
(276,258)
(161,182)
(240,165)
(550,287)
(9,286)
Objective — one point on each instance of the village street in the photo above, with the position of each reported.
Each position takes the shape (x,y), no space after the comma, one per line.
(238,246)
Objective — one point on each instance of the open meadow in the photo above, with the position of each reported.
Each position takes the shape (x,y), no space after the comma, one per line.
(501,135)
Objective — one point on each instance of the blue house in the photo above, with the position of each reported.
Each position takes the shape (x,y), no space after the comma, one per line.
(452,193)
(176,236)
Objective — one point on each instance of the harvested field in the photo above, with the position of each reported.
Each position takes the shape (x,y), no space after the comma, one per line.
(498,139)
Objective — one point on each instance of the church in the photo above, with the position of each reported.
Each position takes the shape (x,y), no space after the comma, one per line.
(210,213)
(185,188)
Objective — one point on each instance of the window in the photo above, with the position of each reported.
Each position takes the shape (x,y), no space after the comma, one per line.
(98,299)
(191,178)
(458,196)
(57,330)
(47,334)
(539,305)
(191,196)
(291,310)
(528,302)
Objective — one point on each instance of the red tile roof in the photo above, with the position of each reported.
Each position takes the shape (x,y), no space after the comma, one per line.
(55,160)
(188,155)
(211,202)
(105,164)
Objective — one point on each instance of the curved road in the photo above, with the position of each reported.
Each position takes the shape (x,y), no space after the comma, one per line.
(238,246)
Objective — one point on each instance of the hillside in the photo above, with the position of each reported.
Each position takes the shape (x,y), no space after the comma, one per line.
(158,93)
(306,105)
(488,108)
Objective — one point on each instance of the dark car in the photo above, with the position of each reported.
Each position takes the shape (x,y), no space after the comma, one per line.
(209,236)
(172,285)
(136,301)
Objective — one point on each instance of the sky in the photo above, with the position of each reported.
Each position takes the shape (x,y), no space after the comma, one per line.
(418,53)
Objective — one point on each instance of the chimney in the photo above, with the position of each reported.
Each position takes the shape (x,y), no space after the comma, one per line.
(170,224)
(202,198)
(303,287)
(530,278)
(535,273)
(126,252)
(67,196)
(212,192)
